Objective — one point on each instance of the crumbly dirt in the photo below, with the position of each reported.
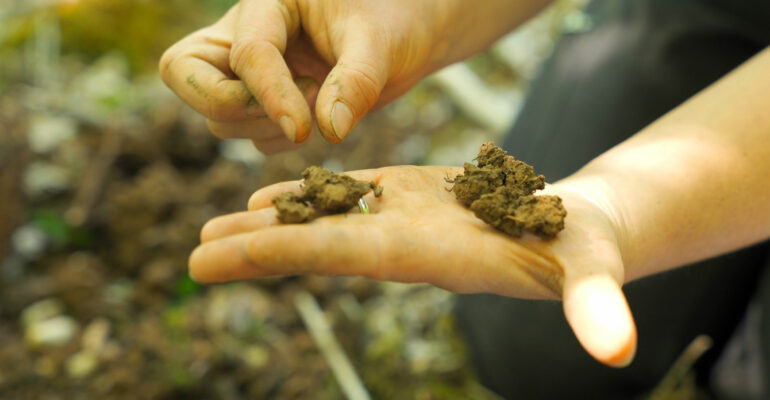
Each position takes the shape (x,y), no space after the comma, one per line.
(500,190)
(323,192)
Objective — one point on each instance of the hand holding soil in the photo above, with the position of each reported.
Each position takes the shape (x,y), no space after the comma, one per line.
(418,232)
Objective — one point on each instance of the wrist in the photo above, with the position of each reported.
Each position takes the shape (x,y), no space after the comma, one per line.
(469,27)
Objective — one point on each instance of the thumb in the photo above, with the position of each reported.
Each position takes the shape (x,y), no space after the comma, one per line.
(352,87)
(598,313)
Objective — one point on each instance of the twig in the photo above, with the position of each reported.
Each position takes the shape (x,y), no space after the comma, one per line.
(93,182)
(323,336)
(678,372)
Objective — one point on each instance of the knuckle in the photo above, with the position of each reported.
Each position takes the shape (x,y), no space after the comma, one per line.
(365,83)
(243,52)
(207,232)
(165,65)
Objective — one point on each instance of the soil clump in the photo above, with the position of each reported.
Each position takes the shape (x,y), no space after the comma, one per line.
(500,191)
(323,192)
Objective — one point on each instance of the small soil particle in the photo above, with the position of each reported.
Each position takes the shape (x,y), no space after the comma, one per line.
(323,192)
(500,191)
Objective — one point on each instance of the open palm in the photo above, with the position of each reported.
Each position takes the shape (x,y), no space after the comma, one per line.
(418,232)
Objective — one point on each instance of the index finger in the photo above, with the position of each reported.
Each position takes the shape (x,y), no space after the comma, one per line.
(196,69)
(347,246)
(261,37)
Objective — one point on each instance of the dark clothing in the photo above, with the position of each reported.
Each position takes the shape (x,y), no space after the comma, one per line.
(640,60)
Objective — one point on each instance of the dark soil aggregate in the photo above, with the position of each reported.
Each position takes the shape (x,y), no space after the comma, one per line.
(323,192)
(500,191)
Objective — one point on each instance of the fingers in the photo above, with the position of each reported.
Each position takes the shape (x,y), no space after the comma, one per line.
(241,222)
(598,313)
(222,261)
(261,36)
(260,128)
(193,69)
(263,197)
(267,136)
(334,248)
(352,87)
(276,145)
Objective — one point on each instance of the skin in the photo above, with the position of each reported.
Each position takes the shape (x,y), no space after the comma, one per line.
(418,232)
(694,184)
(359,55)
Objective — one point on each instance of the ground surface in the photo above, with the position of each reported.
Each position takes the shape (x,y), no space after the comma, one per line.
(106,179)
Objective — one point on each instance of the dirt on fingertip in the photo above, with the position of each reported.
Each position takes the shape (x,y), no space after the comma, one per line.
(323,192)
(500,191)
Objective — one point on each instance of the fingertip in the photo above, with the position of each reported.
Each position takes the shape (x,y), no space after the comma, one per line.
(350,90)
(194,269)
(598,313)
(222,260)
(274,146)
(625,355)
(263,198)
(335,115)
(209,230)
(288,127)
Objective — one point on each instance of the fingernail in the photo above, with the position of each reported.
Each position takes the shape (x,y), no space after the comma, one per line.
(288,127)
(342,120)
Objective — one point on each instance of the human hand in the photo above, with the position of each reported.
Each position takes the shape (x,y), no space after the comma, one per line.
(363,52)
(349,56)
(197,69)
(419,232)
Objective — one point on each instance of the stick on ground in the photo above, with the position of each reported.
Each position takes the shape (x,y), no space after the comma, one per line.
(323,336)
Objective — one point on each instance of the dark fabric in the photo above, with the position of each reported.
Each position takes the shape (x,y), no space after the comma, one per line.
(641,59)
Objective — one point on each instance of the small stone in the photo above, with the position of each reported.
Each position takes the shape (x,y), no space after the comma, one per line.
(40,311)
(95,335)
(81,364)
(29,241)
(237,309)
(256,356)
(46,367)
(55,331)
(118,292)
(42,177)
(47,132)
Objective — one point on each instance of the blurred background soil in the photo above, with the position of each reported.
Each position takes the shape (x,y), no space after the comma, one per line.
(106,179)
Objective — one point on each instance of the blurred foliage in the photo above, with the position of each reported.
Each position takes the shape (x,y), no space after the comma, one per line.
(139,29)
(59,232)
